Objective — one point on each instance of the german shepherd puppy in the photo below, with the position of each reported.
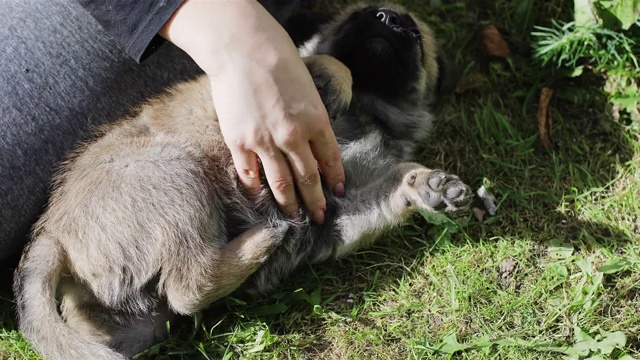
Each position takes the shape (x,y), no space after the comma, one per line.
(149,220)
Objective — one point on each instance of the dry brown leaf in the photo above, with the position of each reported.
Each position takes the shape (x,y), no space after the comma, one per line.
(544,117)
(492,43)
(479,213)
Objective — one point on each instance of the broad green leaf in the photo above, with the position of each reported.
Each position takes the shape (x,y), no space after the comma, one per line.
(614,265)
(626,357)
(277,308)
(434,218)
(559,251)
(577,71)
(612,340)
(583,13)
(584,342)
(450,344)
(483,342)
(585,264)
(624,11)
(314,299)
(558,270)
(316,296)
(627,102)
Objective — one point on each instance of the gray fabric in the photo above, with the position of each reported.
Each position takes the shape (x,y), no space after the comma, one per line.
(133,25)
(60,77)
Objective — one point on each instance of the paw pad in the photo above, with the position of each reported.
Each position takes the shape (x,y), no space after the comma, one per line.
(435,190)
(436,180)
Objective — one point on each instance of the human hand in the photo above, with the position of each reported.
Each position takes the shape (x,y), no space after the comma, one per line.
(265,99)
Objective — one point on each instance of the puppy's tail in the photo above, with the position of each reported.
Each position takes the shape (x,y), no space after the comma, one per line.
(35,284)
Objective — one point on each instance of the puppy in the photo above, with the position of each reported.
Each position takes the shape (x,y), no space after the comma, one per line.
(149,220)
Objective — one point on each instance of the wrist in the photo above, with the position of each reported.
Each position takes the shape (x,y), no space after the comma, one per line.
(216,34)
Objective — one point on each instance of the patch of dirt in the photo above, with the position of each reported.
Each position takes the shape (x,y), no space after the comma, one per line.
(435,321)
(632,295)
(506,271)
(540,250)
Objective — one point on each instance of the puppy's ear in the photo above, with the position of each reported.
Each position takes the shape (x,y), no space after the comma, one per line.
(448,75)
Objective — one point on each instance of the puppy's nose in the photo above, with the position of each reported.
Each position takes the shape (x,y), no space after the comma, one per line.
(388,17)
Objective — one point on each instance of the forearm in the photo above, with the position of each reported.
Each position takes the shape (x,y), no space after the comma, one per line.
(237,35)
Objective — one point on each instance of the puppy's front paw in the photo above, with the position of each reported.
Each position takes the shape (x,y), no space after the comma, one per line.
(333,81)
(435,190)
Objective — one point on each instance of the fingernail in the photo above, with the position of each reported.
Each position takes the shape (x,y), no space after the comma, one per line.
(248,173)
(338,190)
(318,216)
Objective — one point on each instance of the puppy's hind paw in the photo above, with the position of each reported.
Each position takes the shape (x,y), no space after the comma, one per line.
(435,190)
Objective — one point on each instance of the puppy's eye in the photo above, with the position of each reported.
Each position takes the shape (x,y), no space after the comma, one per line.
(415,33)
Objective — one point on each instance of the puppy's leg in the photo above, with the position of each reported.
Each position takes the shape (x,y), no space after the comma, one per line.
(82,311)
(196,285)
(333,81)
(366,212)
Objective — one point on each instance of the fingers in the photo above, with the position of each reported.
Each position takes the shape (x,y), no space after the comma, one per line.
(300,168)
(283,175)
(276,169)
(277,172)
(327,153)
(246,163)
(304,154)
(305,171)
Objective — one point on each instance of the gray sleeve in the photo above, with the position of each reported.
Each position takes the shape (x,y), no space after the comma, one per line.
(133,24)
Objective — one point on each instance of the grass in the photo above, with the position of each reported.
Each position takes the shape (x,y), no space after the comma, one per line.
(556,274)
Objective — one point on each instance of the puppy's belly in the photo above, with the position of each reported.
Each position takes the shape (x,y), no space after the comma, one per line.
(120,212)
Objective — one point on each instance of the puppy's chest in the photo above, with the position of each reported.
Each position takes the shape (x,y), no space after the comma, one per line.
(367,146)
(365,158)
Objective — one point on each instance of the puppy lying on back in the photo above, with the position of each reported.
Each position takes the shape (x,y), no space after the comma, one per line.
(149,220)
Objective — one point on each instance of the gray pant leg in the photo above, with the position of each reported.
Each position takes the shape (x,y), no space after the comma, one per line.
(60,77)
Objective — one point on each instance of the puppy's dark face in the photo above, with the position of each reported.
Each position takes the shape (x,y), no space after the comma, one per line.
(389,52)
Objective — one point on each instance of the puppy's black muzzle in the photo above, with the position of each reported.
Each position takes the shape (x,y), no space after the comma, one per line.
(389,18)
(382,48)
